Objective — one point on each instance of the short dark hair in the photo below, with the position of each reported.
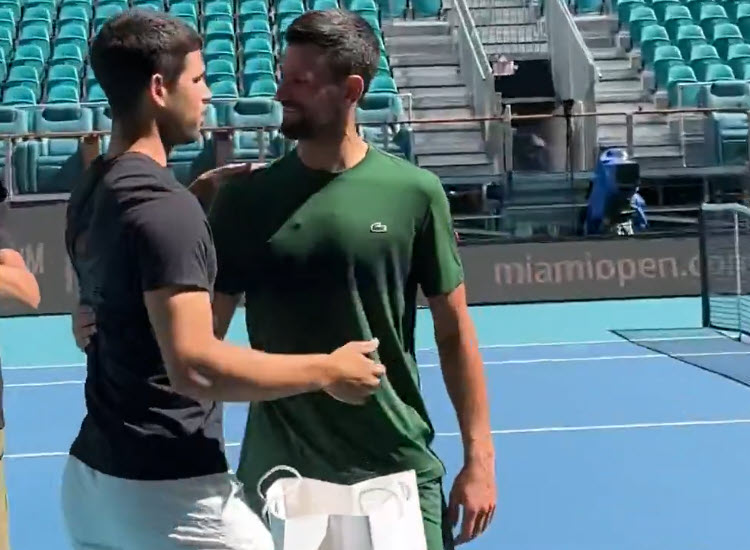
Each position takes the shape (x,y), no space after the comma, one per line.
(133,46)
(348,41)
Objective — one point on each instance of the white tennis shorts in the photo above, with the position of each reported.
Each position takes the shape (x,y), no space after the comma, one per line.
(205,513)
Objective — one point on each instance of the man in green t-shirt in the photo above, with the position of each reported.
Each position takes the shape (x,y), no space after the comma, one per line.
(330,244)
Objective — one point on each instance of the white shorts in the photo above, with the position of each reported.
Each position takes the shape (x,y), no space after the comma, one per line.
(203,513)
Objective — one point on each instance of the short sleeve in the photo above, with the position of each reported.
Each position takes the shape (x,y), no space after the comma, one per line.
(225,219)
(172,244)
(437,261)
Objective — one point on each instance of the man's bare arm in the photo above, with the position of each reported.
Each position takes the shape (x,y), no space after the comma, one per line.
(463,371)
(201,366)
(16,281)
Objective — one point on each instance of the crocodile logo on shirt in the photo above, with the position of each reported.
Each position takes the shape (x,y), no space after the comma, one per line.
(378,227)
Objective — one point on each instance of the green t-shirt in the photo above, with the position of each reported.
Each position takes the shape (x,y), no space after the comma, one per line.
(324,259)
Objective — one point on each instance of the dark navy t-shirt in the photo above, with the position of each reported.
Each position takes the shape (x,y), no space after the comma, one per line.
(131,228)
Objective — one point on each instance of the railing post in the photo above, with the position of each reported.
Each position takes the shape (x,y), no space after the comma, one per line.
(629,134)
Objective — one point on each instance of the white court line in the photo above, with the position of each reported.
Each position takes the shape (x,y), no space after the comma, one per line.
(491,346)
(593,342)
(517,431)
(39,384)
(493,363)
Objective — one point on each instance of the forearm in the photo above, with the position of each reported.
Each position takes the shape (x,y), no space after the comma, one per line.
(225,372)
(465,381)
(19,284)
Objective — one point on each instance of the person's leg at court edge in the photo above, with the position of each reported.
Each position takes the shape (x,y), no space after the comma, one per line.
(147,469)
(19,285)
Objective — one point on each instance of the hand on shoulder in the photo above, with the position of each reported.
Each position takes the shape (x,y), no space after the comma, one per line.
(206,186)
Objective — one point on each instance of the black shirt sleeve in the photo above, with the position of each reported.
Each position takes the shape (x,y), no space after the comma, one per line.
(172,243)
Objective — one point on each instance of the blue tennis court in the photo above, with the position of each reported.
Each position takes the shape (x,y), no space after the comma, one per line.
(601,442)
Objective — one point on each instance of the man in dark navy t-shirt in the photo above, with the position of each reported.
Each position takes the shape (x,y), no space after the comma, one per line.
(19,284)
(147,469)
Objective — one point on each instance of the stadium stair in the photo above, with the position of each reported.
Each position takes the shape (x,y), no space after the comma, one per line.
(620,89)
(509,27)
(425,65)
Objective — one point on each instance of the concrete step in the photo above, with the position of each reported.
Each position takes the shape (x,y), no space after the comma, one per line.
(415,59)
(619,119)
(415,28)
(431,81)
(596,24)
(427,44)
(520,51)
(644,135)
(480,172)
(484,4)
(433,143)
(511,34)
(607,53)
(434,92)
(442,101)
(443,161)
(485,17)
(598,41)
(462,116)
(426,72)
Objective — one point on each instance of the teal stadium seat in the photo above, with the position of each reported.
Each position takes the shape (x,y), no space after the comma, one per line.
(689,36)
(732,7)
(324,4)
(256,113)
(220,49)
(15,122)
(103,13)
(257,48)
(665,57)
(29,56)
(67,54)
(432,8)
(35,35)
(364,6)
(74,34)
(257,69)
(220,30)
(695,7)
(660,8)
(11,6)
(701,57)
(737,56)
(289,8)
(24,77)
(63,93)
(252,10)
(19,96)
(710,16)
(717,72)
(652,37)
(6,41)
(726,34)
(624,7)
(676,17)
(48,155)
(727,132)
(255,28)
(95,94)
(218,70)
(682,87)
(217,10)
(185,11)
(37,16)
(640,18)
(263,87)
(66,5)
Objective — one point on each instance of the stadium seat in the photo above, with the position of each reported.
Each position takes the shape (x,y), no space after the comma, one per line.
(220,49)
(29,56)
(710,16)
(103,13)
(6,42)
(257,69)
(737,56)
(85,5)
(383,84)
(391,9)
(37,16)
(689,36)
(11,7)
(19,95)
(686,95)
(252,10)
(716,72)
(363,6)
(741,9)
(218,70)
(220,30)
(377,108)
(257,48)
(25,77)
(695,7)
(289,8)
(217,10)
(15,121)
(726,34)
(74,34)
(154,5)
(35,36)
(48,154)
(255,113)
(263,87)
(660,8)
(63,93)
(324,5)
(432,8)
(727,132)
(652,37)
(731,7)
(664,58)
(702,56)
(676,17)
(80,13)
(624,7)
(95,94)
(640,18)
(67,54)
